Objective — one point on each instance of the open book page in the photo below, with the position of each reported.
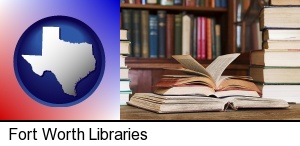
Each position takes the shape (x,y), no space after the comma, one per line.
(217,67)
(190,63)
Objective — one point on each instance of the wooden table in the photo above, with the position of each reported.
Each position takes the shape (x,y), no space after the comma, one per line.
(292,113)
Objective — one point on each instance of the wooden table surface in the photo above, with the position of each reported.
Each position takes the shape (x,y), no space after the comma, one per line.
(292,113)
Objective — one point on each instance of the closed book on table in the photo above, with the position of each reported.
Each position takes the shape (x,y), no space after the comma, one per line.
(275,75)
(124,72)
(287,58)
(161,33)
(281,34)
(125,47)
(281,44)
(124,85)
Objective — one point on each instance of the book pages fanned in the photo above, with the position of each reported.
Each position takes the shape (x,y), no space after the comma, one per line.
(217,67)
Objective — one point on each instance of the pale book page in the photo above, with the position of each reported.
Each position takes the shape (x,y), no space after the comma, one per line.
(189,62)
(217,67)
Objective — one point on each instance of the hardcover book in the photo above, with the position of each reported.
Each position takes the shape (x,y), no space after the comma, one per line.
(153,36)
(184,104)
(284,2)
(161,33)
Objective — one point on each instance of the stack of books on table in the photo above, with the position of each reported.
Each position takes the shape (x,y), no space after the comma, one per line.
(124,70)
(276,68)
(203,89)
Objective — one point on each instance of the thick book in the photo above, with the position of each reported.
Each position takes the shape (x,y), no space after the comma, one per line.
(125,47)
(275,75)
(280,17)
(145,33)
(184,104)
(281,44)
(205,81)
(170,36)
(287,58)
(136,33)
(284,2)
(178,34)
(161,33)
(186,33)
(124,72)
(124,35)
(124,85)
(122,61)
(289,93)
(281,34)
(153,36)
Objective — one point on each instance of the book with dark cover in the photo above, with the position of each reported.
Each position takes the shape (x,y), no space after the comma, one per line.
(224,3)
(194,38)
(126,21)
(145,33)
(213,39)
(178,34)
(170,36)
(218,3)
(183,104)
(136,33)
(153,36)
(161,33)
(178,2)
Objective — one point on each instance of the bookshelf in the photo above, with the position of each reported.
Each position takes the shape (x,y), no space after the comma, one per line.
(145,72)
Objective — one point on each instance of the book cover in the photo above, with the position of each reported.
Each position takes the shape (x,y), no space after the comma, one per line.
(178,34)
(194,37)
(218,39)
(199,23)
(145,33)
(203,32)
(161,33)
(213,38)
(153,36)
(208,39)
(170,36)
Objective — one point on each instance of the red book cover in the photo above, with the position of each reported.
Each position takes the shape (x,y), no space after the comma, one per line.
(190,3)
(198,38)
(203,38)
(138,2)
(170,35)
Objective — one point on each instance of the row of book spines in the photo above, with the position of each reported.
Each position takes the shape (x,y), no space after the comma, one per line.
(193,3)
(162,35)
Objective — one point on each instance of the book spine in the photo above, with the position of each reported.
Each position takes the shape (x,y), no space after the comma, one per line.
(190,3)
(126,24)
(138,2)
(152,1)
(224,3)
(186,30)
(218,3)
(131,1)
(208,38)
(178,34)
(198,3)
(136,34)
(191,34)
(161,34)
(170,36)
(194,49)
(204,3)
(153,36)
(203,38)
(218,40)
(199,23)
(166,2)
(213,38)
(144,2)
(145,33)
(178,2)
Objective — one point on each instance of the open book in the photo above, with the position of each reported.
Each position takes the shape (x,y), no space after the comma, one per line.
(179,104)
(206,81)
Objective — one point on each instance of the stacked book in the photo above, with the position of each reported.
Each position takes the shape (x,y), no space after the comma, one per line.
(276,68)
(124,70)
